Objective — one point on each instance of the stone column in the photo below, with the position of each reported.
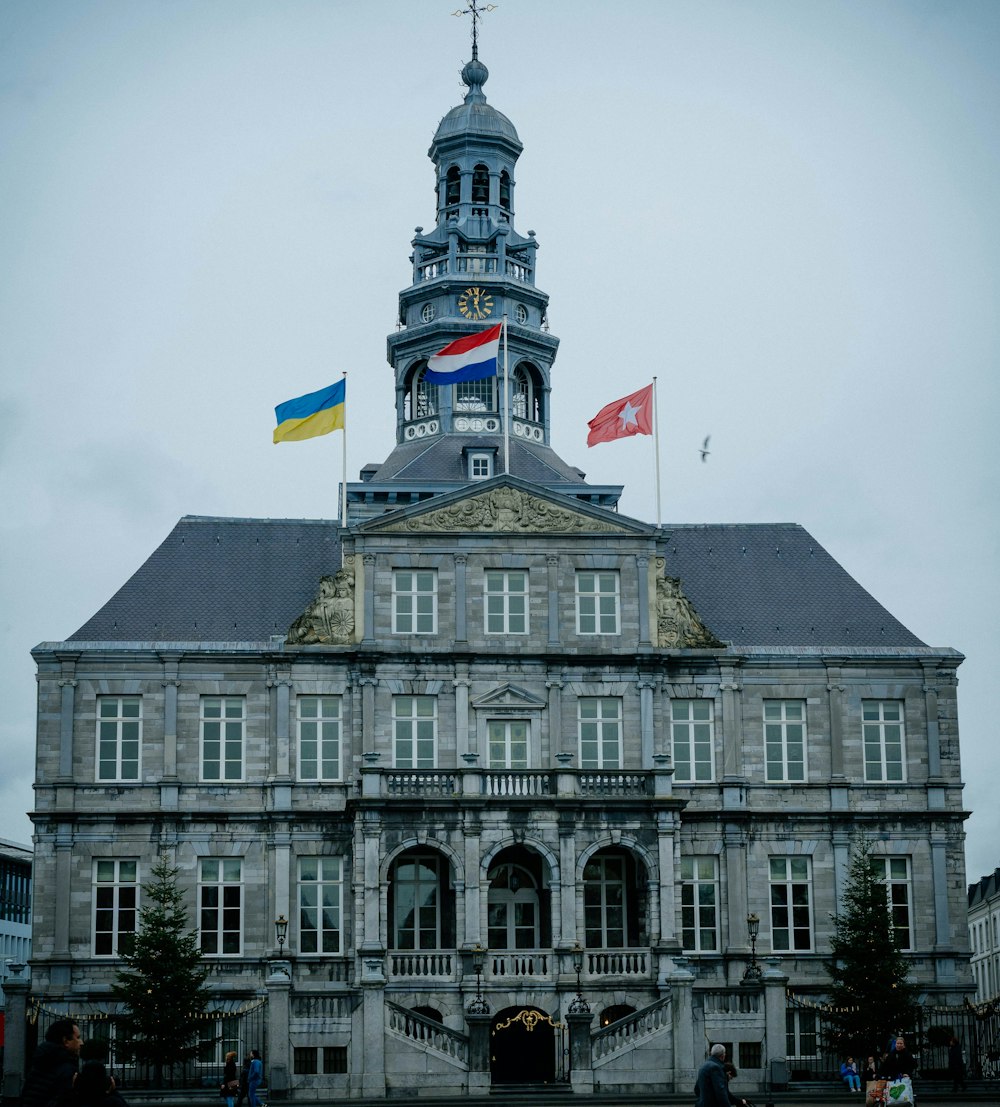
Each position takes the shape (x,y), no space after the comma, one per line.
(67,688)
(567,880)
(15,992)
(841,838)
(666,826)
(473,846)
(553,586)
(368,567)
(373,1027)
(479,1052)
(939,871)
(580,1053)
(835,690)
(461,620)
(278,984)
(463,745)
(732,725)
(642,598)
(646,686)
(775,982)
(553,687)
(169,783)
(282,872)
(686,1058)
(736,886)
(933,729)
(368,685)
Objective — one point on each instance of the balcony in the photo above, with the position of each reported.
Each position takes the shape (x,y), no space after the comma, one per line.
(511,968)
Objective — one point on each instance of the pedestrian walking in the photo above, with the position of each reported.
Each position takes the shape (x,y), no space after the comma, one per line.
(711,1088)
(54,1066)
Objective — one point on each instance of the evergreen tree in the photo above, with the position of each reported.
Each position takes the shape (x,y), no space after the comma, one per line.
(871,997)
(162,985)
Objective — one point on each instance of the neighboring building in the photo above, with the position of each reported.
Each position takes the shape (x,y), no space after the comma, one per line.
(15,914)
(984,935)
(514,768)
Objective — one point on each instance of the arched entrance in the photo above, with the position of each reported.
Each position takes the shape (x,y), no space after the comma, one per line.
(523,1046)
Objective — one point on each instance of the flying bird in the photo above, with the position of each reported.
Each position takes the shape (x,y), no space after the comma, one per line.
(704,448)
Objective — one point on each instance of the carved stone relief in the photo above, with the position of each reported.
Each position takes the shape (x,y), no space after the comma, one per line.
(329,619)
(677,623)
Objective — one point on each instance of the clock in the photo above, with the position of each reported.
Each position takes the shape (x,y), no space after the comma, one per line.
(475,303)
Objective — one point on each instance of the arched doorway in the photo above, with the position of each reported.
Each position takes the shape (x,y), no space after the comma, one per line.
(523,1046)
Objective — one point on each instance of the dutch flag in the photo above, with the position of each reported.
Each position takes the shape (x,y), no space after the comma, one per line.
(466,359)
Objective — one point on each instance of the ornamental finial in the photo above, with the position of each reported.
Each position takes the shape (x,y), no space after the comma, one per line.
(477,12)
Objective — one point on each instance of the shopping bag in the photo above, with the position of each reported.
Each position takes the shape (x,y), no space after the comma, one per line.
(899,1091)
(875,1092)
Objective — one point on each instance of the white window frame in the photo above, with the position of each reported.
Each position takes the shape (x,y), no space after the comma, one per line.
(692,739)
(700,904)
(511,740)
(883,740)
(414,725)
(321,901)
(480,466)
(598,602)
(785,751)
(119,734)
(599,933)
(599,724)
(224,736)
(414,601)
(319,737)
(430,871)
(897,875)
(220,895)
(500,614)
(115,893)
(802,1028)
(788,877)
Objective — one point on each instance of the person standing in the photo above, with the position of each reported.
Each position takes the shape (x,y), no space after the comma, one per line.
(255,1078)
(899,1062)
(956,1064)
(54,1066)
(711,1088)
(230,1079)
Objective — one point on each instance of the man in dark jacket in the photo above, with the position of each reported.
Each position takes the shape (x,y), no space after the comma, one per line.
(54,1064)
(711,1088)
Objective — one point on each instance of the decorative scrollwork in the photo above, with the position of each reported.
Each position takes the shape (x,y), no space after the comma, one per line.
(530,1019)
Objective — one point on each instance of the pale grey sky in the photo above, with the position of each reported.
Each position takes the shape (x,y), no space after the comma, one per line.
(785,209)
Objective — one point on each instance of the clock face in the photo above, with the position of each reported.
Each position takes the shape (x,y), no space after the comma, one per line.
(475,303)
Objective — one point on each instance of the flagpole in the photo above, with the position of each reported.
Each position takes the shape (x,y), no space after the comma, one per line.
(656,451)
(343,462)
(506,401)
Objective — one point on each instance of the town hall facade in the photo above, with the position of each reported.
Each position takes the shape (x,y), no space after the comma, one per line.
(489,783)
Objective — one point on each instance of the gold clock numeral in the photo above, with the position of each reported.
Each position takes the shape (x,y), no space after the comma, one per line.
(475,303)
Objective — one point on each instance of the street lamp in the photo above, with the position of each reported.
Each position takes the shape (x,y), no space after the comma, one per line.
(478,1006)
(280,932)
(579,1004)
(753,970)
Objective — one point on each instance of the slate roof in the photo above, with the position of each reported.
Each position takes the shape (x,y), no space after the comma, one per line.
(228,580)
(441,459)
(985,889)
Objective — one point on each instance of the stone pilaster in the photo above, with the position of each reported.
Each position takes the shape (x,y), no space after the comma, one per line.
(278,984)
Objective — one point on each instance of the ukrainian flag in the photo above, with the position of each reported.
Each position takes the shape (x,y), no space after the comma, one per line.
(311,415)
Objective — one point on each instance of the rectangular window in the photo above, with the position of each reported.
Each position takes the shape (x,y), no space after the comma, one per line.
(597,602)
(895,871)
(220,902)
(600,732)
(751,1054)
(480,466)
(699,904)
(320,904)
(304,1060)
(605,903)
(885,750)
(506,602)
(508,744)
(693,733)
(222,729)
(119,737)
(791,910)
(334,1060)
(415,894)
(116,904)
(414,728)
(414,601)
(801,1034)
(318,720)
(785,740)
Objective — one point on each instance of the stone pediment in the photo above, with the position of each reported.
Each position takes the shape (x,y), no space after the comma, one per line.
(508,697)
(503,508)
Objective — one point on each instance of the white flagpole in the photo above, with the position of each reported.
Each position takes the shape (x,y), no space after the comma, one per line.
(506,401)
(343,463)
(656,450)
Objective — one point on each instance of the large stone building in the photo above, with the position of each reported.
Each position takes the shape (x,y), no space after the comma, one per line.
(520,773)
(984,935)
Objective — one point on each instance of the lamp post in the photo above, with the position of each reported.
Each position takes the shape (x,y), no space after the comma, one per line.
(753,970)
(280,932)
(478,1006)
(579,1004)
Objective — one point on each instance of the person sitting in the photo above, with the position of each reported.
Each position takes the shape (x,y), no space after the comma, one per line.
(849,1074)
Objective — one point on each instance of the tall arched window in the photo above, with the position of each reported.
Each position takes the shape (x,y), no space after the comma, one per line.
(526,393)
(421,397)
(512,906)
(453,186)
(421,906)
(480,185)
(611,901)
(505,190)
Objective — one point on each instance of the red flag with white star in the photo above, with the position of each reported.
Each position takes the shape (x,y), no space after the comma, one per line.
(623,418)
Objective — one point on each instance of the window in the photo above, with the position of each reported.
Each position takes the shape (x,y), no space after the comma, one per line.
(453,184)
(525,395)
(512,908)
(508,743)
(600,730)
(791,913)
(305,1060)
(414,727)
(480,466)
(692,731)
(416,901)
(334,1059)
(216,1038)
(220,902)
(597,597)
(785,740)
(506,601)
(882,728)
(505,190)
(699,904)
(320,904)
(421,398)
(427,312)
(480,185)
(801,1034)
(116,902)
(605,902)
(895,871)
(119,737)
(222,721)
(477,395)
(319,737)
(414,601)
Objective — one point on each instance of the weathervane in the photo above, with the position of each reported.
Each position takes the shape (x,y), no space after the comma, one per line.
(477,12)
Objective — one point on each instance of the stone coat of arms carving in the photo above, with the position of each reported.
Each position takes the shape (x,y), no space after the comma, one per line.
(678,625)
(329,619)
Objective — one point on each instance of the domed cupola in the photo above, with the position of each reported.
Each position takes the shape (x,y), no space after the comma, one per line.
(474,117)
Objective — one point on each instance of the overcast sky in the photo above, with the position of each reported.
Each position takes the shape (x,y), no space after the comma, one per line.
(785,209)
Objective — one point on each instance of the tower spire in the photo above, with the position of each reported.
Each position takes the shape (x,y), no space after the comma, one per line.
(477,12)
